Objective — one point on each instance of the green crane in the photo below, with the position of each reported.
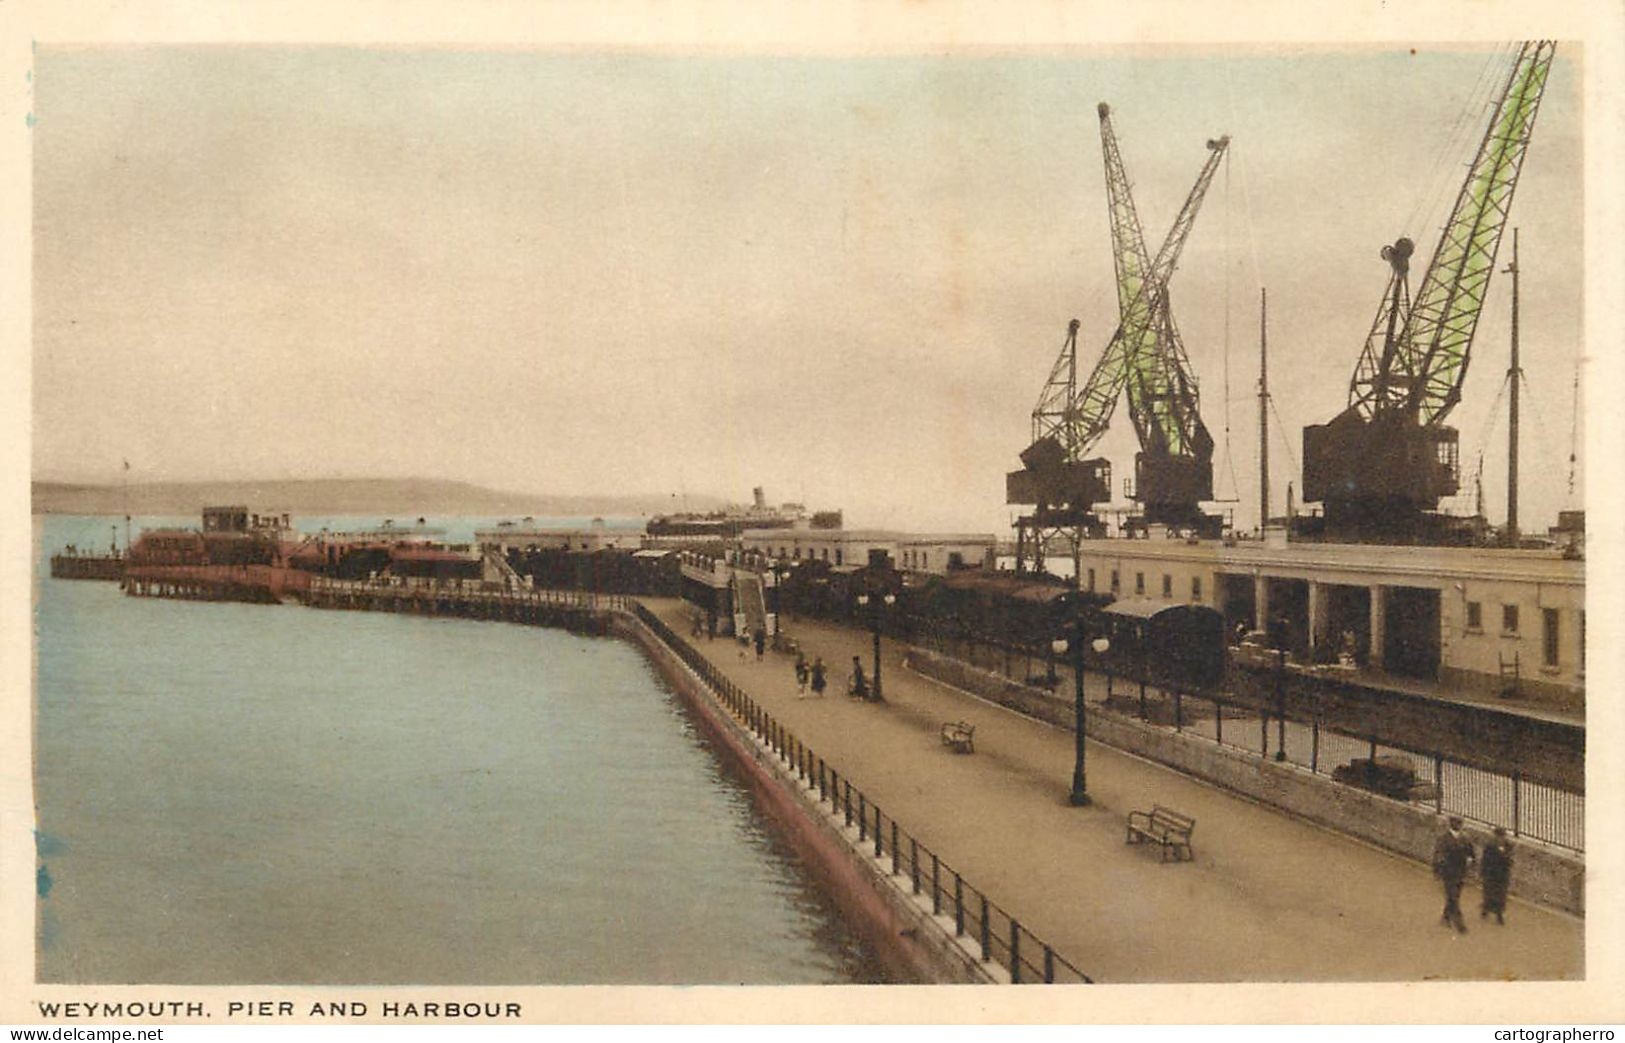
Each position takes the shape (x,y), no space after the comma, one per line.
(1385,462)
(1144,355)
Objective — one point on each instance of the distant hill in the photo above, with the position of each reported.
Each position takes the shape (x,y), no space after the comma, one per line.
(325,496)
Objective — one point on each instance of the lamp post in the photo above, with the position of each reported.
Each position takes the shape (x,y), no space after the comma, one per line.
(1079,797)
(781,573)
(874,628)
(1280,702)
(1140,640)
(1278,638)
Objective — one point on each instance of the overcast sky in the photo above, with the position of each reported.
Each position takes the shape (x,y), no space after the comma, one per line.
(843,279)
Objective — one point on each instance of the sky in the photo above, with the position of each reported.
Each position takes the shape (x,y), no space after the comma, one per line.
(843,279)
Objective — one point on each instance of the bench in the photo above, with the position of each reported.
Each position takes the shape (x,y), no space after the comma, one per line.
(959,736)
(1168,828)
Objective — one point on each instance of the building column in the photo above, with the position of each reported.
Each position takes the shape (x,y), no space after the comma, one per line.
(1319,612)
(1261,603)
(1379,627)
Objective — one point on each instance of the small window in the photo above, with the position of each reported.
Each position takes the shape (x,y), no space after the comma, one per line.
(1139,583)
(1196,588)
(1117,581)
(1549,632)
(1475,616)
(824,553)
(1509,619)
(1167,585)
(838,556)
(1091,579)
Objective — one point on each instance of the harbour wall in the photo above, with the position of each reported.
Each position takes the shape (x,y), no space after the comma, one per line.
(1539,874)
(911,942)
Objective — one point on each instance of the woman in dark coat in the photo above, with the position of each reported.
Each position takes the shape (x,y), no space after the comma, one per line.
(1496,868)
(818,676)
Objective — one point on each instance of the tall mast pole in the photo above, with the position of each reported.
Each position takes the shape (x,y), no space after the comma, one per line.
(1263,411)
(1515,376)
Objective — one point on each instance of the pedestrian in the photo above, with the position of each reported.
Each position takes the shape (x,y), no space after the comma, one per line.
(818,676)
(860,689)
(744,641)
(1452,857)
(801,675)
(1496,870)
(761,642)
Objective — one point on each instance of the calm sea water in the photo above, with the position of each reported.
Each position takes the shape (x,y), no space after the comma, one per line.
(244,793)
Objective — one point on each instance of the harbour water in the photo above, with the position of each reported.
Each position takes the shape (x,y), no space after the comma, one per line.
(240,793)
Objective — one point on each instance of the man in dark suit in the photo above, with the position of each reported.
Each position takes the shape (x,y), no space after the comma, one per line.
(1452,857)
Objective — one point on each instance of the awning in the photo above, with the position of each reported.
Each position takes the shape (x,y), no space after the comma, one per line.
(1137,609)
(1040,595)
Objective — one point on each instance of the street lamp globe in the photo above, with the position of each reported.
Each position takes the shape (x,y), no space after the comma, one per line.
(1101,645)
(863,599)
(890,599)
(1058,646)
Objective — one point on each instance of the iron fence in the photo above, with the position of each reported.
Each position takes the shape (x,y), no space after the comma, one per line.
(995,935)
(1446,785)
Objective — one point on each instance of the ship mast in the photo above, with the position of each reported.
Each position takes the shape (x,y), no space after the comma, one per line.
(1263,411)
(1515,377)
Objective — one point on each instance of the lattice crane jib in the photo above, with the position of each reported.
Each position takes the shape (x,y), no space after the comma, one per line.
(1373,389)
(1144,353)
(1445,312)
(1055,414)
(1130,257)
(1078,415)
(1422,367)
(1163,397)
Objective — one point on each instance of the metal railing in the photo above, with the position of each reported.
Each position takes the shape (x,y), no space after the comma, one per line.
(1443,784)
(472,590)
(994,935)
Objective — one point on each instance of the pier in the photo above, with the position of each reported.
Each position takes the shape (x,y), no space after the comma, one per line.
(73,565)
(574,610)
(1268,897)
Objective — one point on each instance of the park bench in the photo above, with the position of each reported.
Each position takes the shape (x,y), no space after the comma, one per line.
(959,736)
(1168,828)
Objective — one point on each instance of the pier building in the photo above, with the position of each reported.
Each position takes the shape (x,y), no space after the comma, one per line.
(1489,620)
(529,536)
(913,552)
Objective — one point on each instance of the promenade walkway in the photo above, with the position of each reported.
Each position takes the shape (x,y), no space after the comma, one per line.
(1268,898)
